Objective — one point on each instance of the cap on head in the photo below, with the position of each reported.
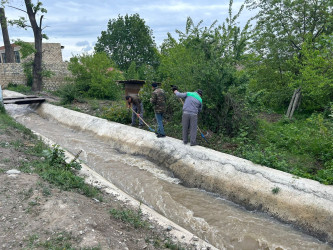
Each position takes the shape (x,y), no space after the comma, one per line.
(154,85)
(127,97)
(199,91)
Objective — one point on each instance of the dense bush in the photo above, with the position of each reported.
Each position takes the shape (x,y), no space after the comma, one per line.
(225,107)
(118,112)
(95,76)
(68,93)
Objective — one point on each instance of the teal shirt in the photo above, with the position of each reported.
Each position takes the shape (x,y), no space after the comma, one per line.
(192,103)
(195,95)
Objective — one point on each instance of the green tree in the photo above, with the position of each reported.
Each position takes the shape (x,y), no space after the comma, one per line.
(131,72)
(32,10)
(27,49)
(128,39)
(95,76)
(282,27)
(315,73)
(208,58)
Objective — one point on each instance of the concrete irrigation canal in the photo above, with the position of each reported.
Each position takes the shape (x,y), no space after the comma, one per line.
(224,200)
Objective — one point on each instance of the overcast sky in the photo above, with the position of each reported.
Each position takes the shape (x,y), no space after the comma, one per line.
(77,24)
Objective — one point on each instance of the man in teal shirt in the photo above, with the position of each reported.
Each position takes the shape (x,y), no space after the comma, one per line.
(191,108)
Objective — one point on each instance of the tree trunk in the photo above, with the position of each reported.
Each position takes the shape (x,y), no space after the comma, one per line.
(9,51)
(37,65)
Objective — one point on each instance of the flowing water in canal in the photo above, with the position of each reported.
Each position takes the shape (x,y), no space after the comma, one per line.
(210,217)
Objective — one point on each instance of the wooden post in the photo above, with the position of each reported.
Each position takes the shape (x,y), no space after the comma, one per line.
(294,103)
(291,103)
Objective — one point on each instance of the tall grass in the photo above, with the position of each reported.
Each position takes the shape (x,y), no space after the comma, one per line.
(301,147)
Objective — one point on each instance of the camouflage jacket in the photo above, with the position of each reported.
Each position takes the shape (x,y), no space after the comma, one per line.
(158,99)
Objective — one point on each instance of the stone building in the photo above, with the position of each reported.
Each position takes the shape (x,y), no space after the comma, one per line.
(52,61)
(17,55)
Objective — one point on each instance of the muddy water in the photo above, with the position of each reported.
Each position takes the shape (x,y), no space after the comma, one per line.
(220,222)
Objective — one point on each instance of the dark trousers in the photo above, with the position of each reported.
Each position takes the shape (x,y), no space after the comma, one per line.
(159,119)
(190,125)
(135,108)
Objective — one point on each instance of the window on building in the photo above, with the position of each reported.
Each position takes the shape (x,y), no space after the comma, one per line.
(17,56)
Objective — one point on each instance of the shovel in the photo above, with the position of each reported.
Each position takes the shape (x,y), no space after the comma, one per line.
(152,130)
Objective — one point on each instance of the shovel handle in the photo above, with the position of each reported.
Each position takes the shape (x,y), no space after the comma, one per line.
(142,120)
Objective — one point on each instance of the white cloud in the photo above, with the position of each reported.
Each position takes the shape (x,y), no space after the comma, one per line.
(182,7)
(71,22)
(82,43)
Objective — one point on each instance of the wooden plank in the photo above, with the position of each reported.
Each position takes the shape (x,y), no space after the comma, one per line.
(24,101)
(20,97)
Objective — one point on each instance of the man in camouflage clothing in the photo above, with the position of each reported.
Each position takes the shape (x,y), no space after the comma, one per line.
(158,100)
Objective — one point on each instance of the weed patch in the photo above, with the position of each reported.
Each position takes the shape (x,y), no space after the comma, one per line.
(129,216)
(275,190)
(19,88)
(56,170)
(61,240)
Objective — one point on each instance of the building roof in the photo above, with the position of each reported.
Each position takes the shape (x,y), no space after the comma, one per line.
(132,81)
(13,45)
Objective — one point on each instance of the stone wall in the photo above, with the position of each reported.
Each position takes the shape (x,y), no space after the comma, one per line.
(60,73)
(13,73)
(52,60)
(51,53)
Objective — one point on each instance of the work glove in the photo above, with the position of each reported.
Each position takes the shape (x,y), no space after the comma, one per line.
(174,88)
